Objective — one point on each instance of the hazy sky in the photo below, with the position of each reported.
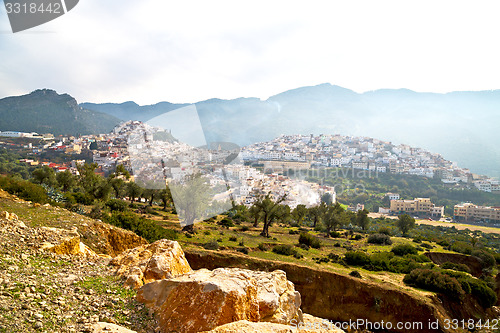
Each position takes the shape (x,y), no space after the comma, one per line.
(185,51)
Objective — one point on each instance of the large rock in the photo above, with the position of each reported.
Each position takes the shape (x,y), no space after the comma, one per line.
(263,327)
(65,242)
(162,259)
(205,299)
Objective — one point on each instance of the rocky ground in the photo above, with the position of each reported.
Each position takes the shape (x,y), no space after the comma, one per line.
(41,291)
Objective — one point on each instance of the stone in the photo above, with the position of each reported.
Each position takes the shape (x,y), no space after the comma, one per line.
(109,327)
(146,263)
(264,327)
(5,215)
(203,299)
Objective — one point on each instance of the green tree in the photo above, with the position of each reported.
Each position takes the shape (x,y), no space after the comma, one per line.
(405,223)
(93,146)
(133,191)
(66,180)
(254,212)
(118,187)
(362,219)
(166,198)
(192,198)
(299,213)
(327,199)
(45,175)
(317,213)
(269,210)
(334,217)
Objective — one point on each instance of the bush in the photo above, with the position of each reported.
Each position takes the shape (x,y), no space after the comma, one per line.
(385,230)
(456,267)
(297,255)
(24,189)
(212,245)
(244,228)
(357,258)
(355,274)
(309,240)
(262,247)
(116,205)
(357,237)
(443,243)
(147,229)
(293,232)
(83,198)
(484,294)
(226,222)
(404,249)
(243,250)
(487,259)
(233,239)
(335,234)
(461,247)
(286,250)
(427,246)
(337,244)
(381,239)
(436,281)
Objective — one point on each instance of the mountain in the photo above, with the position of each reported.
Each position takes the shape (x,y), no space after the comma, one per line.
(132,111)
(45,111)
(462,126)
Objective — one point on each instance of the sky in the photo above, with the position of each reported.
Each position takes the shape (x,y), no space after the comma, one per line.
(187,51)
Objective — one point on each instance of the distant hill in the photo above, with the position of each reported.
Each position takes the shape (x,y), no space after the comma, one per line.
(132,111)
(462,126)
(45,111)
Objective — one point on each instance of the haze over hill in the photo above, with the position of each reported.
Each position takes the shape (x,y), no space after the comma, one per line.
(462,126)
(45,111)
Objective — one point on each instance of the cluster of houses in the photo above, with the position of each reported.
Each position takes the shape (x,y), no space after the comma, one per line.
(300,152)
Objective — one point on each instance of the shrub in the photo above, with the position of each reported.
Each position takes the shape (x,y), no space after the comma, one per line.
(219,240)
(286,250)
(147,229)
(207,232)
(309,240)
(487,259)
(244,228)
(443,243)
(385,230)
(436,281)
(357,258)
(297,255)
(116,205)
(262,247)
(24,189)
(484,294)
(404,249)
(334,257)
(357,237)
(83,198)
(461,247)
(241,243)
(355,274)
(212,245)
(381,239)
(233,239)
(304,247)
(226,222)
(337,244)
(427,246)
(335,234)
(456,267)
(293,232)
(243,250)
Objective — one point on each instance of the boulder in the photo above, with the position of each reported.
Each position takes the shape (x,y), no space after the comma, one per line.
(162,259)
(203,300)
(263,327)
(69,245)
(8,216)
(110,328)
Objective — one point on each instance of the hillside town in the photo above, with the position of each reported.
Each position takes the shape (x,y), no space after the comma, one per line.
(337,151)
(153,156)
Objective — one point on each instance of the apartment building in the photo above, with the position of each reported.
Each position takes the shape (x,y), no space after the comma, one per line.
(418,206)
(472,213)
